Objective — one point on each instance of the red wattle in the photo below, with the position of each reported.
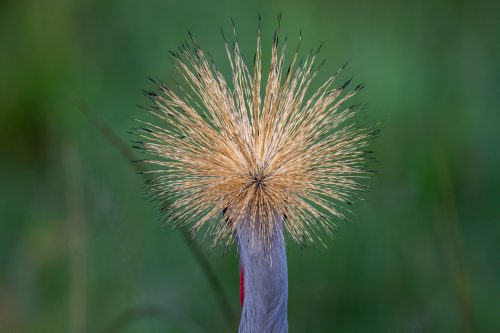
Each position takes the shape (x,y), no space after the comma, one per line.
(242,286)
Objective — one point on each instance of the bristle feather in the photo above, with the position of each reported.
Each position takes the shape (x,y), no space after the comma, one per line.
(225,148)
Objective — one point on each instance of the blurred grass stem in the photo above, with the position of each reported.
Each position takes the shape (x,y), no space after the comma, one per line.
(452,235)
(196,252)
(77,242)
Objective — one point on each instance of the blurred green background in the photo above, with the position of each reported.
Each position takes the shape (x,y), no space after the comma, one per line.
(82,250)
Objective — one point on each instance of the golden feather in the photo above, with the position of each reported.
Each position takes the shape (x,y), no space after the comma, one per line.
(222,147)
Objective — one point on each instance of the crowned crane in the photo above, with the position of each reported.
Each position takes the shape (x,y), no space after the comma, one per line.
(273,156)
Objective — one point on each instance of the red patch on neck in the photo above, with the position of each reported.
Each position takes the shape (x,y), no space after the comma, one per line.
(242,286)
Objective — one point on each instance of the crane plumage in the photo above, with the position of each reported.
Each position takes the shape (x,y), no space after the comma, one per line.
(222,146)
(265,281)
(253,159)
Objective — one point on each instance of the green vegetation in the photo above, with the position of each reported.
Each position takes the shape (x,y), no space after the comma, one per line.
(82,249)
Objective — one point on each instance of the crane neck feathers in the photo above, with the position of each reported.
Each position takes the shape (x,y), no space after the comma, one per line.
(265,280)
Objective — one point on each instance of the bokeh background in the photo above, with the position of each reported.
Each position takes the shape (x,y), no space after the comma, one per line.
(83,250)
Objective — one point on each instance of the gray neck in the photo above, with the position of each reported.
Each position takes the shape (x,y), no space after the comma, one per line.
(265,281)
